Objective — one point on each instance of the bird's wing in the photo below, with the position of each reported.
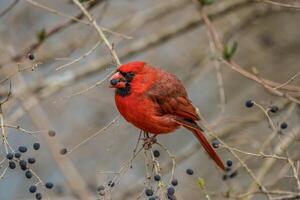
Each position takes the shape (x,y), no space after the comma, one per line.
(171,96)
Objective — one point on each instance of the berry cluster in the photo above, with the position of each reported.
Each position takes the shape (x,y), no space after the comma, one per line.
(272,109)
(25,162)
(170,190)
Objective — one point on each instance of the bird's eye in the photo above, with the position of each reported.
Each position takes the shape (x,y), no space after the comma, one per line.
(129,76)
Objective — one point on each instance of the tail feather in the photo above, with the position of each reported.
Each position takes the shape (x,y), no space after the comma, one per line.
(197,131)
(208,148)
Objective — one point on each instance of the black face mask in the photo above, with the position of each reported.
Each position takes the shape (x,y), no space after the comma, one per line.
(126,90)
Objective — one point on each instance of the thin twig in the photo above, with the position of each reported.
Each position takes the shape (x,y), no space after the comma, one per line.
(89,87)
(233,65)
(81,57)
(99,31)
(284,5)
(9,8)
(34,3)
(288,81)
(93,135)
(295,171)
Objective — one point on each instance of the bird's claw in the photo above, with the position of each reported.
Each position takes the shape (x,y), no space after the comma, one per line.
(148,142)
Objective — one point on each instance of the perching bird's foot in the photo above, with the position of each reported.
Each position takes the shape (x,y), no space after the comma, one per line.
(149,141)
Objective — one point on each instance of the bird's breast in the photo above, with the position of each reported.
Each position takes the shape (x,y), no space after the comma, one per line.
(143,113)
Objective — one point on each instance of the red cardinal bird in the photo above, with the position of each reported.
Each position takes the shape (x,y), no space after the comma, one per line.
(156,102)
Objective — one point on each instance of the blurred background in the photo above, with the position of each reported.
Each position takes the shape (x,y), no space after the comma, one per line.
(76,102)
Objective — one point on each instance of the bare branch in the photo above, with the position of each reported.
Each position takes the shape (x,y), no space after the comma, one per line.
(100,32)
(9,8)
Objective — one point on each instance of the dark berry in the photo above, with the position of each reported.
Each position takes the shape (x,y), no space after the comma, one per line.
(152,198)
(22,149)
(174,182)
(249,103)
(274,109)
(38,196)
(229,163)
(31,160)
(51,133)
(101,187)
(111,184)
(30,56)
(189,171)
(156,153)
(63,151)
(28,174)
(17,155)
(11,164)
(23,164)
(283,125)
(171,191)
(157,177)
(49,185)
(114,81)
(32,189)
(149,192)
(9,156)
(36,146)
(215,143)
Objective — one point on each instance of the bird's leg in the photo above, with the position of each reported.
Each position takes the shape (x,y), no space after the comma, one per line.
(148,141)
(138,142)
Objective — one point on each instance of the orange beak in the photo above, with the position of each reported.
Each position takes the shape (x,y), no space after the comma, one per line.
(117,81)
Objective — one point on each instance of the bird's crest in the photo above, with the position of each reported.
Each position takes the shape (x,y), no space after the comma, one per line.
(135,67)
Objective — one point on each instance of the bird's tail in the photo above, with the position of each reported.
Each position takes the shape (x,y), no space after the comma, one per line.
(198,132)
